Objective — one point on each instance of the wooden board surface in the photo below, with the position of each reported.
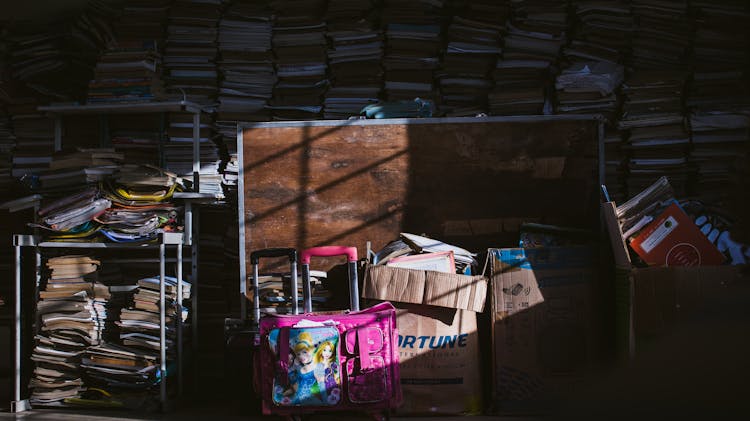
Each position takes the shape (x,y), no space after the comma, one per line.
(469,183)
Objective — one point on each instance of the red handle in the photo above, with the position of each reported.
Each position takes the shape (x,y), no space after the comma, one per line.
(327,251)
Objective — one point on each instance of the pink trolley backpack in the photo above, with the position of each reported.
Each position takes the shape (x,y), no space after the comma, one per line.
(328,361)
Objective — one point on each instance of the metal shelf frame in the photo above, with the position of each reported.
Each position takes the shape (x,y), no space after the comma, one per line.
(166,240)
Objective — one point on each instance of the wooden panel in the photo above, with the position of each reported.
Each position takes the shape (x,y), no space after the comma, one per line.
(468,183)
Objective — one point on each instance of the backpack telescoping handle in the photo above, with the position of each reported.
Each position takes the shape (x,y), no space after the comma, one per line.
(274,252)
(329,251)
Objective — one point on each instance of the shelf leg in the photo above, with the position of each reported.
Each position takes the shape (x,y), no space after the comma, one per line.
(18,404)
(180,355)
(162,327)
(196,151)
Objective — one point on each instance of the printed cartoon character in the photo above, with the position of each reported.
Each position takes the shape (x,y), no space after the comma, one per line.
(304,385)
(327,372)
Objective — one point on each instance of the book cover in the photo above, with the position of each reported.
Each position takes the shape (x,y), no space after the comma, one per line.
(672,239)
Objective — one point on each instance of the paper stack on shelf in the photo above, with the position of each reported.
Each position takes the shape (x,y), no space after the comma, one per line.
(141,20)
(275,292)
(140,324)
(299,47)
(178,152)
(112,367)
(354,57)
(72,217)
(246,61)
(473,38)
(128,72)
(719,97)
(414,37)
(662,35)
(7,145)
(33,131)
(658,140)
(72,310)
(534,35)
(247,78)
(190,53)
(141,205)
(589,88)
(137,137)
(602,30)
(72,170)
(473,48)
(57,58)
(615,164)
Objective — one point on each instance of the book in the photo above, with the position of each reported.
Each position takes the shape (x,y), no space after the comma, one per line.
(672,239)
(440,262)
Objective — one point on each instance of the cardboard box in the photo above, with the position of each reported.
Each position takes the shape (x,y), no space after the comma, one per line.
(440,361)
(425,287)
(543,338)
(438,337)
(661,297)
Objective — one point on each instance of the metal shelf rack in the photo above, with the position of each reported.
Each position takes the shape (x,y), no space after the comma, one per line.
(166,240)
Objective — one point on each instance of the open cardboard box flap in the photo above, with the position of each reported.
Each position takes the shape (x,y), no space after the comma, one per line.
(425,287)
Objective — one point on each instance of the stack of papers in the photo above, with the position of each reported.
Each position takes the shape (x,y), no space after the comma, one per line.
(662,36)
(531,44)
(73,314)
(472,51)
(413,40)
(190,52)
(408,245)
(299,46)
(69,171)
(178,151)
(354,56)
(652,118)
(589,88)
(128,72)
(603,29)
(139,325)
(246,60)
(7,144)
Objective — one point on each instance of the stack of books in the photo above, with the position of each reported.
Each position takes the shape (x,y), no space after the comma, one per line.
(718,97)
(414,38)
(178,151)
(128,72)
(72,217)
(276,295)
(190,51)
(354,57)
(299,47)
(7,144)
(137,137)
(141,205)
(653,121)
(589,88)
(72,310)
(662,35)
(56,58)
(34,132)
(71,170)
(602,30)
(247,78)
(473,38)
(142,20)
(246,61)
(140,324)
(534,35)
(115,367)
